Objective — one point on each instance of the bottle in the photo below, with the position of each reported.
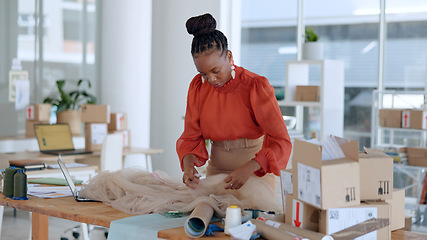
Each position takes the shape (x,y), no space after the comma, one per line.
(233,217)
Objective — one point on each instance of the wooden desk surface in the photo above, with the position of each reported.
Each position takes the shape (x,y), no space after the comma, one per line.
(179,234)
(47,158)
(95,213)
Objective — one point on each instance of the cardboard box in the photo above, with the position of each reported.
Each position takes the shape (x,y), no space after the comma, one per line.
(299,214)
(406,114)
(336,219)
(397,204)
(118,121)
(29,127)
(94,136)
(376,175)
(126,136)
(327,183)
(408,223)
(95,113)
(307,93)
(417,156)
(390,118)
(38,112)
(418,119)
(286,184)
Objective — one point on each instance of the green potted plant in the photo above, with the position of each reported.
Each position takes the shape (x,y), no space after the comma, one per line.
(311,49)
(68,103)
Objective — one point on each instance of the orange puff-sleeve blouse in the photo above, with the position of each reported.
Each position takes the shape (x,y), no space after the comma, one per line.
(245,107)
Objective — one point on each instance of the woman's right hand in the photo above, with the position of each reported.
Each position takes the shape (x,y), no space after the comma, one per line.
(191,175)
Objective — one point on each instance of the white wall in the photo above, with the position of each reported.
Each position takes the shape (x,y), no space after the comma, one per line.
(126,63)
(172,71)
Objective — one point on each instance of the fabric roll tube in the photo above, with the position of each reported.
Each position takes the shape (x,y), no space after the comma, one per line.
(199,220)
(280,231)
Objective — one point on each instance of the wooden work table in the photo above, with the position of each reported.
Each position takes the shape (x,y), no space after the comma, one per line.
(179,234)
(91,158)
(95,213)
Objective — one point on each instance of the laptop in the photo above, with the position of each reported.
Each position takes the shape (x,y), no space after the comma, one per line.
(56,139)
(71,183)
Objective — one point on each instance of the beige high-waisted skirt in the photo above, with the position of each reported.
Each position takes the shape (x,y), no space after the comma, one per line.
(229,155)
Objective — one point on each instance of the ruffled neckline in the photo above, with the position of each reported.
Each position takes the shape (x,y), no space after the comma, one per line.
(232,83)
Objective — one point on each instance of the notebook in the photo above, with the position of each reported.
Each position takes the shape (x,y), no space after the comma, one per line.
(56,139)
(71,183)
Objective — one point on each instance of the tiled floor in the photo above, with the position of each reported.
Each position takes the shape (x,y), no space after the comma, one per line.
(18,228)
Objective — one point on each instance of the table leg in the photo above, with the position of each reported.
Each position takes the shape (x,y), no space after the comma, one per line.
(40,226)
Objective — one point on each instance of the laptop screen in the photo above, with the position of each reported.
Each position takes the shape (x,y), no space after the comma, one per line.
(67,175)
(53,137)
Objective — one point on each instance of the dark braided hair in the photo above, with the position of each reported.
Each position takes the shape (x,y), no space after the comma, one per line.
(206,36)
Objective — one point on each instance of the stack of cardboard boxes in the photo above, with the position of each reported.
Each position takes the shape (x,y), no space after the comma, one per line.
(334,194)
(36,114)
(95,118)
(407,118)
(118,124)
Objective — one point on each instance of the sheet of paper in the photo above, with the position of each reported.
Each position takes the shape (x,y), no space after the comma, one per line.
(98,133)
(13,77)
(309,184)
(286,184)
(50,192)
(22,94)
(342,218)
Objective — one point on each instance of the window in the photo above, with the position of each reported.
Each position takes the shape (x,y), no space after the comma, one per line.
(349,32)
(56,42)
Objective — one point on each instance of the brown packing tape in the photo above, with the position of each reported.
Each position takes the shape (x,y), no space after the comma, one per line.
(361,229)
(281,231)
(199,220)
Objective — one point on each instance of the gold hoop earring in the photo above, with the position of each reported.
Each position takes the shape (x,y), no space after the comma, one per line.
(233,73)
(203,79)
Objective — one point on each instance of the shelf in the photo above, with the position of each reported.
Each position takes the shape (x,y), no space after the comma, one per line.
(285,103)
(404,129)
(388,136)
(328,117)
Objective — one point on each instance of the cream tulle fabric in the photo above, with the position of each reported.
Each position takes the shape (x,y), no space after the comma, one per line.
(136,191)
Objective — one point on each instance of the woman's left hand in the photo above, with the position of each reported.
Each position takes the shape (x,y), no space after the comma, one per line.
(236,179)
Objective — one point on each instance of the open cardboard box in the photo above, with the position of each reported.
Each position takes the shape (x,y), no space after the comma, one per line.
(327,183)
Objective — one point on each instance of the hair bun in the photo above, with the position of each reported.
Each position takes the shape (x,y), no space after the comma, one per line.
(200,25)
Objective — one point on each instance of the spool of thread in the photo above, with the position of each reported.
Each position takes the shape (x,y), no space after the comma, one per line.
(8,181)
(20,185)
(233,217)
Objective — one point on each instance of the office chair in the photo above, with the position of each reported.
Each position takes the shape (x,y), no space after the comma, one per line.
(111,160)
